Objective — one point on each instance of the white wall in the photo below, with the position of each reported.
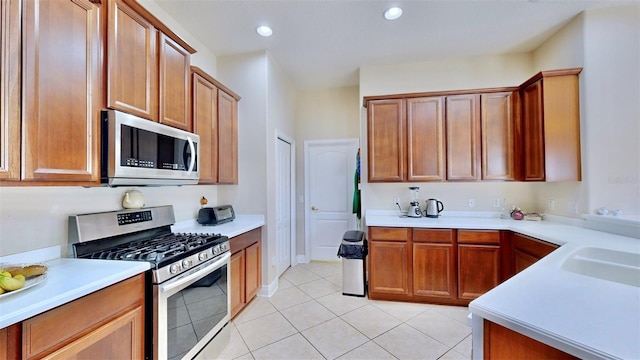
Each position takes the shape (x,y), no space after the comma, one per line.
(246,75)
(449,74)
(328,113)
(453,74)
(203,58)
(606,42)
(267,106)
(34,217)
(281,99)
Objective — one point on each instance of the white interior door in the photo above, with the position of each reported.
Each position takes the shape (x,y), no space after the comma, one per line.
(329,183)
(283,205)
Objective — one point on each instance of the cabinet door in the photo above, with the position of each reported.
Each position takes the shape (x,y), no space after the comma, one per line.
(237,282)
(497,136)
(425,139)
(43,334)
(174,84)
(205,124)
(386,127)
(121,338)
(502,343)
(533,131)
(10,344)
(62,92)
(389,267)
(252,271)
(227,139)
(561,104)
(10,89)
(522,260)
(478,269)
(132,61)
(434,270)
(463,137)
(527,251)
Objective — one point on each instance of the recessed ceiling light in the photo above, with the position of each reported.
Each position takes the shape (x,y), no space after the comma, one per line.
(393,13)
(264,30)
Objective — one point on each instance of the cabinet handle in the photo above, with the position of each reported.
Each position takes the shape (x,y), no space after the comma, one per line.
(313,208)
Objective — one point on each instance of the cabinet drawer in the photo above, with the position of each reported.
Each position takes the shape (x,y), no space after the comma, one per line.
(490,237)
(388,234)
(444,236)
(245,240)
(58,327)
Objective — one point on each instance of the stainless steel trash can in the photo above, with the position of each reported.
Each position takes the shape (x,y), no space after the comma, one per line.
(353,251)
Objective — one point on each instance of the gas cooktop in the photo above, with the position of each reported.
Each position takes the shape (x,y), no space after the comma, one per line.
(143,235)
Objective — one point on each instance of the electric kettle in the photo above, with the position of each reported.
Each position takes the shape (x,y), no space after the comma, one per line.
(434,208)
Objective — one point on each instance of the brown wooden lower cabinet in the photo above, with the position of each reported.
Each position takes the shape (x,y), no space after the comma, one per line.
(246,265)
(10,342)
(108,322)
(446,266)
(389,263)
(527,250)
(434,264)
(237,282)
(502,343)
(478,262)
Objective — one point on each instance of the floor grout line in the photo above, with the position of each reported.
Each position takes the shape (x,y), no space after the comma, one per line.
(336,316)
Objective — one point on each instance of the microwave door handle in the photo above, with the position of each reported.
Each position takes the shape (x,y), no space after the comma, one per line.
(192,163)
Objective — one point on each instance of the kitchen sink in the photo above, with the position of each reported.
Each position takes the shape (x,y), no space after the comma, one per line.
(611,265)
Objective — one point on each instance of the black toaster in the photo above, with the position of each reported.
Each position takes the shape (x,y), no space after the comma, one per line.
(216,215)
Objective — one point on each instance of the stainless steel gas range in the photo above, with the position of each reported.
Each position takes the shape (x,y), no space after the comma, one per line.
(188,303)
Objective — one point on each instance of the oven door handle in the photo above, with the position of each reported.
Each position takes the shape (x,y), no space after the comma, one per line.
(196,275)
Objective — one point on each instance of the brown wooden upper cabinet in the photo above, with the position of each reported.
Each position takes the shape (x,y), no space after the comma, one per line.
(426,139)
(498,126)
(551,126)
(148,66)
(530,133)
(449,136)
(463,137)
(215,120)
(386,133)
(58,114)
(10,49)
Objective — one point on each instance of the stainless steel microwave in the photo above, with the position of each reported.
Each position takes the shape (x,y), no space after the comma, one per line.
(137,151)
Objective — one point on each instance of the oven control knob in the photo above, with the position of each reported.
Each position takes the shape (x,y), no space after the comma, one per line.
(216,250)
(202,256)
(185,264)
(174,269)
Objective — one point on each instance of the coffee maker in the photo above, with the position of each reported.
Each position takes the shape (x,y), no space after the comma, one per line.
(414,205)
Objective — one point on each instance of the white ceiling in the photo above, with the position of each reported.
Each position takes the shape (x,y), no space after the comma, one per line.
(322,43)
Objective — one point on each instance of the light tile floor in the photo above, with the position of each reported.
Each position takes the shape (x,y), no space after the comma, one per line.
(309,318)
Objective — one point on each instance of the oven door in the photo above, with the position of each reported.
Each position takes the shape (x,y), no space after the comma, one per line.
(191,309)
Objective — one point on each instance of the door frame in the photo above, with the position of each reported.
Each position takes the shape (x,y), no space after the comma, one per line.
(307,212)
(281,136)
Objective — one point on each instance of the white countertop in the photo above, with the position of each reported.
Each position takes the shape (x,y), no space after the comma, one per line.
(66,280)
(240,225)
(581,315)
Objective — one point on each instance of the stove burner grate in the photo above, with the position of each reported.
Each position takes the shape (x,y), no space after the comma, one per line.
(158,248)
